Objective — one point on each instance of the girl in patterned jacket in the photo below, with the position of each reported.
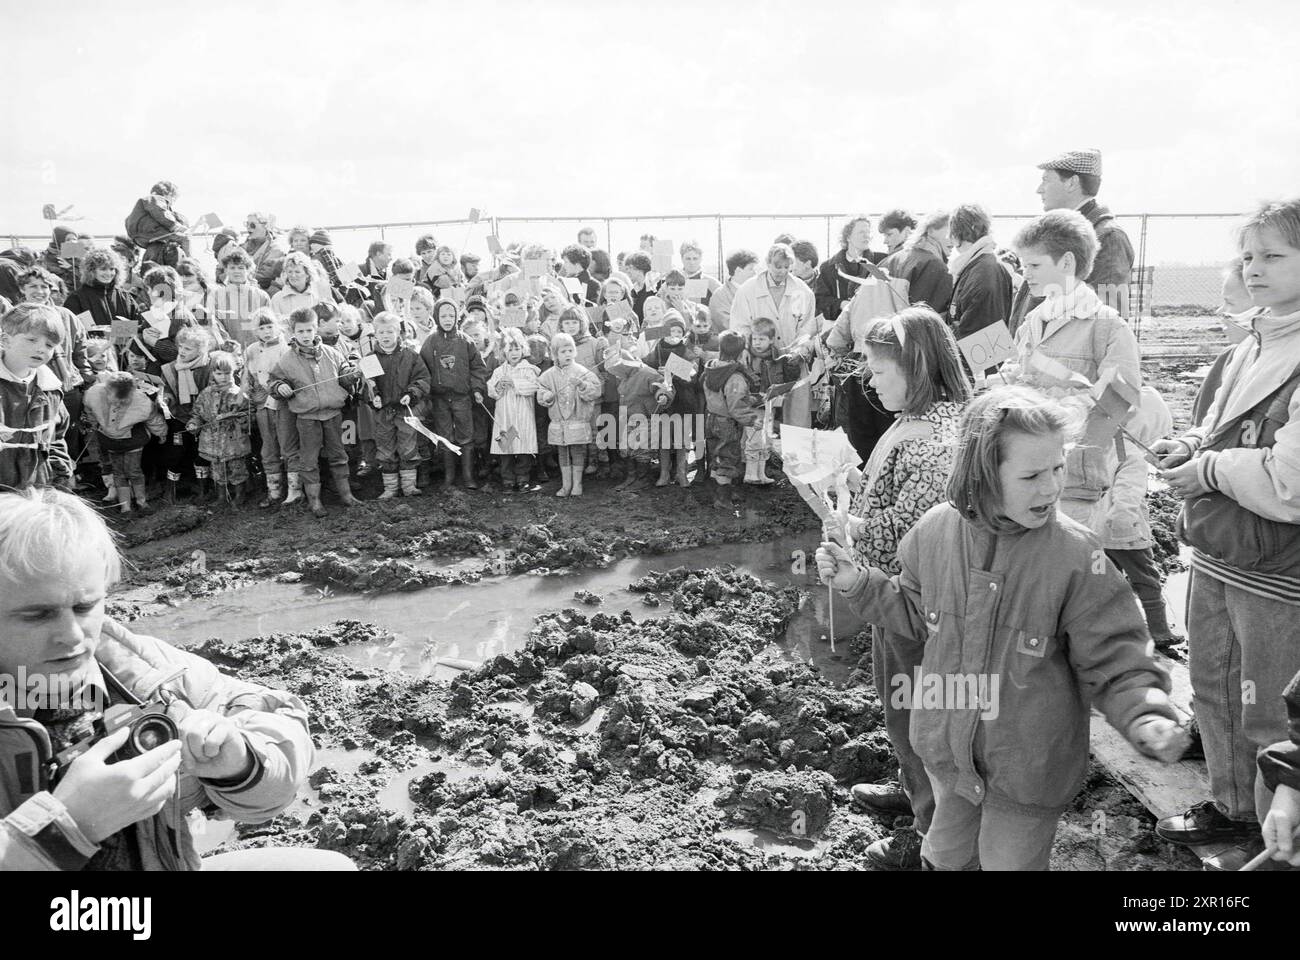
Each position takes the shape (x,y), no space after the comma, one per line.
(917,374)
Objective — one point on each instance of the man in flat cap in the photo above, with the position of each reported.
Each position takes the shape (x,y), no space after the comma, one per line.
(1070,182)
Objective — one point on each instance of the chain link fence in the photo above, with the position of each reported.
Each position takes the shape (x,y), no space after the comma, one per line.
(1179,258)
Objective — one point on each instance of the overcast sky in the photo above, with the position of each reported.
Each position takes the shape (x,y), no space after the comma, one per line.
(342,112)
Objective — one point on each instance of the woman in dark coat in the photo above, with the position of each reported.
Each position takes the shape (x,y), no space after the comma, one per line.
(982,292)
(101,291)
(923,264)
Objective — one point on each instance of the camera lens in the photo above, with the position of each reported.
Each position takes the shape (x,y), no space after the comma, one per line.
(152,731)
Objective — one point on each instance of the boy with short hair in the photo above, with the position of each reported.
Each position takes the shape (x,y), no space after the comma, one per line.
(637,266)
(692,267)
(279,436)
(575,262)
(313,379)
(742,265)
(238,297)
(405,382)
(727,396)
(33,419)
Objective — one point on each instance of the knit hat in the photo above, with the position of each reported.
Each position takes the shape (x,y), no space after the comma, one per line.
(1076,161)
(674,319)
(321,237)
(476,303)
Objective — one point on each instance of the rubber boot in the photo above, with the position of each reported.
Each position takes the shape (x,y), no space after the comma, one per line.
(579,459)
(274,491)
(566,480)
(424,474)
(467,467)
(295,489)
(590,457)
(682,465)
(111,496)
(169,492)
(448,469)
(602,464)
(206,492)
(312,492)
(237,495)
(390,487)
(665,468)
(341,485)
(124,498)
(407,478)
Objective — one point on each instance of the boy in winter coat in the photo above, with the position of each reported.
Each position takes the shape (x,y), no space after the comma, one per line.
(123,417)
(222,419)
(730,405)
(186,377)
(33,419)
(459,381)
(514,437)
(275,424)
(639,387)
(404,383)
(313,380)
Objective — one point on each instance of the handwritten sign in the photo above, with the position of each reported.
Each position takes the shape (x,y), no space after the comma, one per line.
(399,288)
(697,290)
(74,250)
(574,286)
(661,256)
(679,367)
(473,215)
(513,316)
(371,367)
(494,245)
(653,332)
(987,347)
(86,320)
(124,330)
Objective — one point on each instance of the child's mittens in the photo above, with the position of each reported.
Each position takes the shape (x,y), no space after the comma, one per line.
(377,402)
(1158,736)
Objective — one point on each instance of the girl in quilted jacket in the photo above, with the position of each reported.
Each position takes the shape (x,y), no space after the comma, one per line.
(916,373)
(570,391)
(1025,625)
(223,420)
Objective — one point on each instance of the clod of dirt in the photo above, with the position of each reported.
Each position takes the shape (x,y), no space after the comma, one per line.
(797,803)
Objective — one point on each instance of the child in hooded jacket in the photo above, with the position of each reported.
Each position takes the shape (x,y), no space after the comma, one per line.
(679,398)
(459,382)
(186,377)
(1000,588)
(570,391)
(222,418)
(123,418)
(514,385)
(591,355)
(276,427)
(729,401)
(393,397)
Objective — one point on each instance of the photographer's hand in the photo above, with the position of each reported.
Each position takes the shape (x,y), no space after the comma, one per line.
(102,797)
(213,747)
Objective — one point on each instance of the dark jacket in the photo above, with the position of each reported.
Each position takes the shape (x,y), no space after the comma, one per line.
(26,405)
(104,303)
(455,367)
(1280,763)
(831,289)
(1113,268)
(981,297)
(149,221)
(404,374)
(1022,304)
(686,397)
(927,277)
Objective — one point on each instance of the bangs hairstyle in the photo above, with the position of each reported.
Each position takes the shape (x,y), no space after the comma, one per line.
(233,255)
(1282,215)
(561,340)
(513,336)
(164,277)
(674,278)
(265,317)
(970,222)
(41,531)
(975,486)
(101,258)
(36,319)
(575,313)
(1058,233)
(927,356)
(386,318)
(223,360)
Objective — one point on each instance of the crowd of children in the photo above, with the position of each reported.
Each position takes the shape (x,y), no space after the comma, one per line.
(572,367)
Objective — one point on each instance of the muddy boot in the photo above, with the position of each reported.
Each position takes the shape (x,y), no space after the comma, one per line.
(448,469)
(140,492)
(312,491)
(665,469)
(124,499)
(341,485)
(467,468)
(589,459)
(111,496)
(424,474)
(204,492)
(407,479)
(1158,626)
(169,492)
(722,495)
(579,462)
(602,464)
(390,487)
(274,491)
(682,465)
(566,480)
(295,489)
(237,495)
(902,851)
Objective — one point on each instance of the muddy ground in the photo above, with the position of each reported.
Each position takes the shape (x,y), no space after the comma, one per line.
(688,741)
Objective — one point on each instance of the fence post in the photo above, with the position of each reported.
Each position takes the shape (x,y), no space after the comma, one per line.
(609,237)
(1143,293)
(722,260)
(827,254)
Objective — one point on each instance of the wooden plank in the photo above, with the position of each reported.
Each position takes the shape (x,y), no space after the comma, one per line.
(1165,789)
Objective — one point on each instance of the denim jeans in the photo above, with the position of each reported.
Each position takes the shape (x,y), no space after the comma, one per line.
(894,657)
(968,836)
(1243,650)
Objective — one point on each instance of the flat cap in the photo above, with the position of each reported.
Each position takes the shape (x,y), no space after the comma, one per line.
(1076,161)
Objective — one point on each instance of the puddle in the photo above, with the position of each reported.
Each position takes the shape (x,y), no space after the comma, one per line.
(774,843)
(443,630)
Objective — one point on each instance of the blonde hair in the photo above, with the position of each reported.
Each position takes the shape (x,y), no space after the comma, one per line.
(1282,215)
(975,485)
(41,530)
(223,360)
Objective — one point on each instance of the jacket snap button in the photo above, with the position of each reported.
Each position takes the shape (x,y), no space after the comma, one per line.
(1033,641)
(978,788)
(993,586)
(933,617)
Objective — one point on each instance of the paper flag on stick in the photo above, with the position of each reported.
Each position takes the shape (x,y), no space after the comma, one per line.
(574,286)
(513,316)
(86,320)
(697,290)
(494,245)
(371,367)
(74,250)
(399,288)
(679,367)
(812,498)
(473,215)
(420,428)
(48,212)
(620,310)
(536,267)
(1042,363)
(123,330)
(349,273)
(815,455)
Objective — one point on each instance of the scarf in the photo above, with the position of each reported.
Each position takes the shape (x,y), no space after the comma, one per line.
(1081,302)
(931,245)
(309,353)
(977,249)
(186,386)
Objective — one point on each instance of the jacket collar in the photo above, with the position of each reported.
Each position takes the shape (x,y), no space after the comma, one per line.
(46,379)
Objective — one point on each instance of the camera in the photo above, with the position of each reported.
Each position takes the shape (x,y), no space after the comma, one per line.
(149,725)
